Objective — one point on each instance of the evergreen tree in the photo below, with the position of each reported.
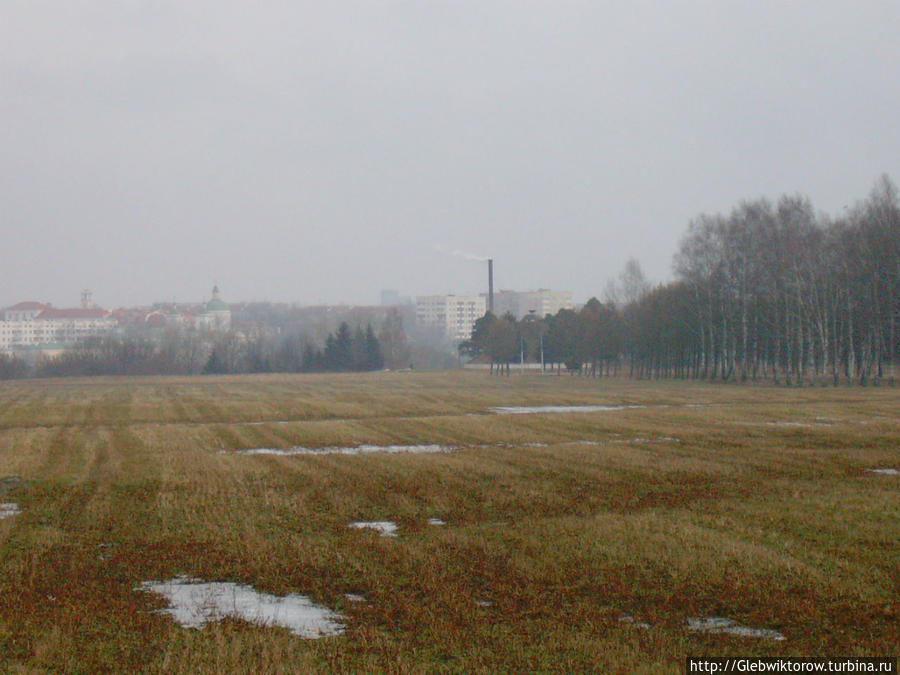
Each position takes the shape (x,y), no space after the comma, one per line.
(343,348)
(215,365)
(358,354)
(312,360)
(374,357)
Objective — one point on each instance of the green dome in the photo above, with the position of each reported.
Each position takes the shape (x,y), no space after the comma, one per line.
(216,305)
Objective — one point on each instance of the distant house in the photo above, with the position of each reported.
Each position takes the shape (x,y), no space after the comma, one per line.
(155,319)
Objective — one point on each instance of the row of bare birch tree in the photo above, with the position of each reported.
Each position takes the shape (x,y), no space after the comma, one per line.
(768,291)
(777,291)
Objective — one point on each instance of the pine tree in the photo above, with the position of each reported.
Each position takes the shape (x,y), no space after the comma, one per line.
(358,354)
(214,364)
(374,357)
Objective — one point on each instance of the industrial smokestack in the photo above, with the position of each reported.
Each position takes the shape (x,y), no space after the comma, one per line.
(491,285)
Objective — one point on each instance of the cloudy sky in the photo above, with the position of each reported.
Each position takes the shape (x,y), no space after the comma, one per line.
(321,151)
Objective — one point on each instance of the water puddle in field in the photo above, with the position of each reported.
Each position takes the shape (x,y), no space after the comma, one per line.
(194,603)
(9,509)
(885,472)
(432,448)
(349,450)
(436,521)
(483,603)
(366,449)
(799,424)
(353,597)
(643,439)
(715,624)
(628,619)
(386,528)
(796,425)
(8,484)
(524,410)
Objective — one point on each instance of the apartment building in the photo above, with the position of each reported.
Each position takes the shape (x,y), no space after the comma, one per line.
(540,302)
(35,325)
(454,315)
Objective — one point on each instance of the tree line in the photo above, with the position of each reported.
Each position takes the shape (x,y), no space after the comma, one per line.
(767,291)
(189,353)
(344,351)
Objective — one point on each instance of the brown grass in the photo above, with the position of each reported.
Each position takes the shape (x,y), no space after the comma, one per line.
(676,510)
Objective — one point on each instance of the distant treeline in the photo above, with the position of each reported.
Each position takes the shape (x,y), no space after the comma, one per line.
(767,291)
(344,351)
(187,353)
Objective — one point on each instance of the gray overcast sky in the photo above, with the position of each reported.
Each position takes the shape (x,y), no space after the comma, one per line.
(321,151)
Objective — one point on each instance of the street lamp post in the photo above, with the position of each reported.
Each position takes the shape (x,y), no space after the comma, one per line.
(542,353)
(522,352)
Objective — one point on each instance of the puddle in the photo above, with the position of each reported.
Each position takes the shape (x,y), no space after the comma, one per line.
(627,618)
(524,410)
(643,439)
(798,424)
(795,425)
(714,624)
(353,597)
(387,528)
(350,450)
(8,484)
(195,603)
(483,603)
(432,448)
(9,509)
(885,472)
(436,521)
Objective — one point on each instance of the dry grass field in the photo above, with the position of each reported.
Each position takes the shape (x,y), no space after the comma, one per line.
(573,542)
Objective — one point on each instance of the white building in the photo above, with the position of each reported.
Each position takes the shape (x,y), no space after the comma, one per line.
(542,302)
(31,325)
(454,315)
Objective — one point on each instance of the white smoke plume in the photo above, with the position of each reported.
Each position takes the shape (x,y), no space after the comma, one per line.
(461,254)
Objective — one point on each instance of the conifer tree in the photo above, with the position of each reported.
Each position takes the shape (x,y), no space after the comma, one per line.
(374,357)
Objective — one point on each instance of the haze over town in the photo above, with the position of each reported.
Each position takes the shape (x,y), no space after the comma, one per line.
(317,153)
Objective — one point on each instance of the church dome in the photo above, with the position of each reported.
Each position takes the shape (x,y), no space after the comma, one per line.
(216,304)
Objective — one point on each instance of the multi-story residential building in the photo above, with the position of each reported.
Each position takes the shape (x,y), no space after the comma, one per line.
(541,302)
(38,325)
(24,311)
(454,315)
